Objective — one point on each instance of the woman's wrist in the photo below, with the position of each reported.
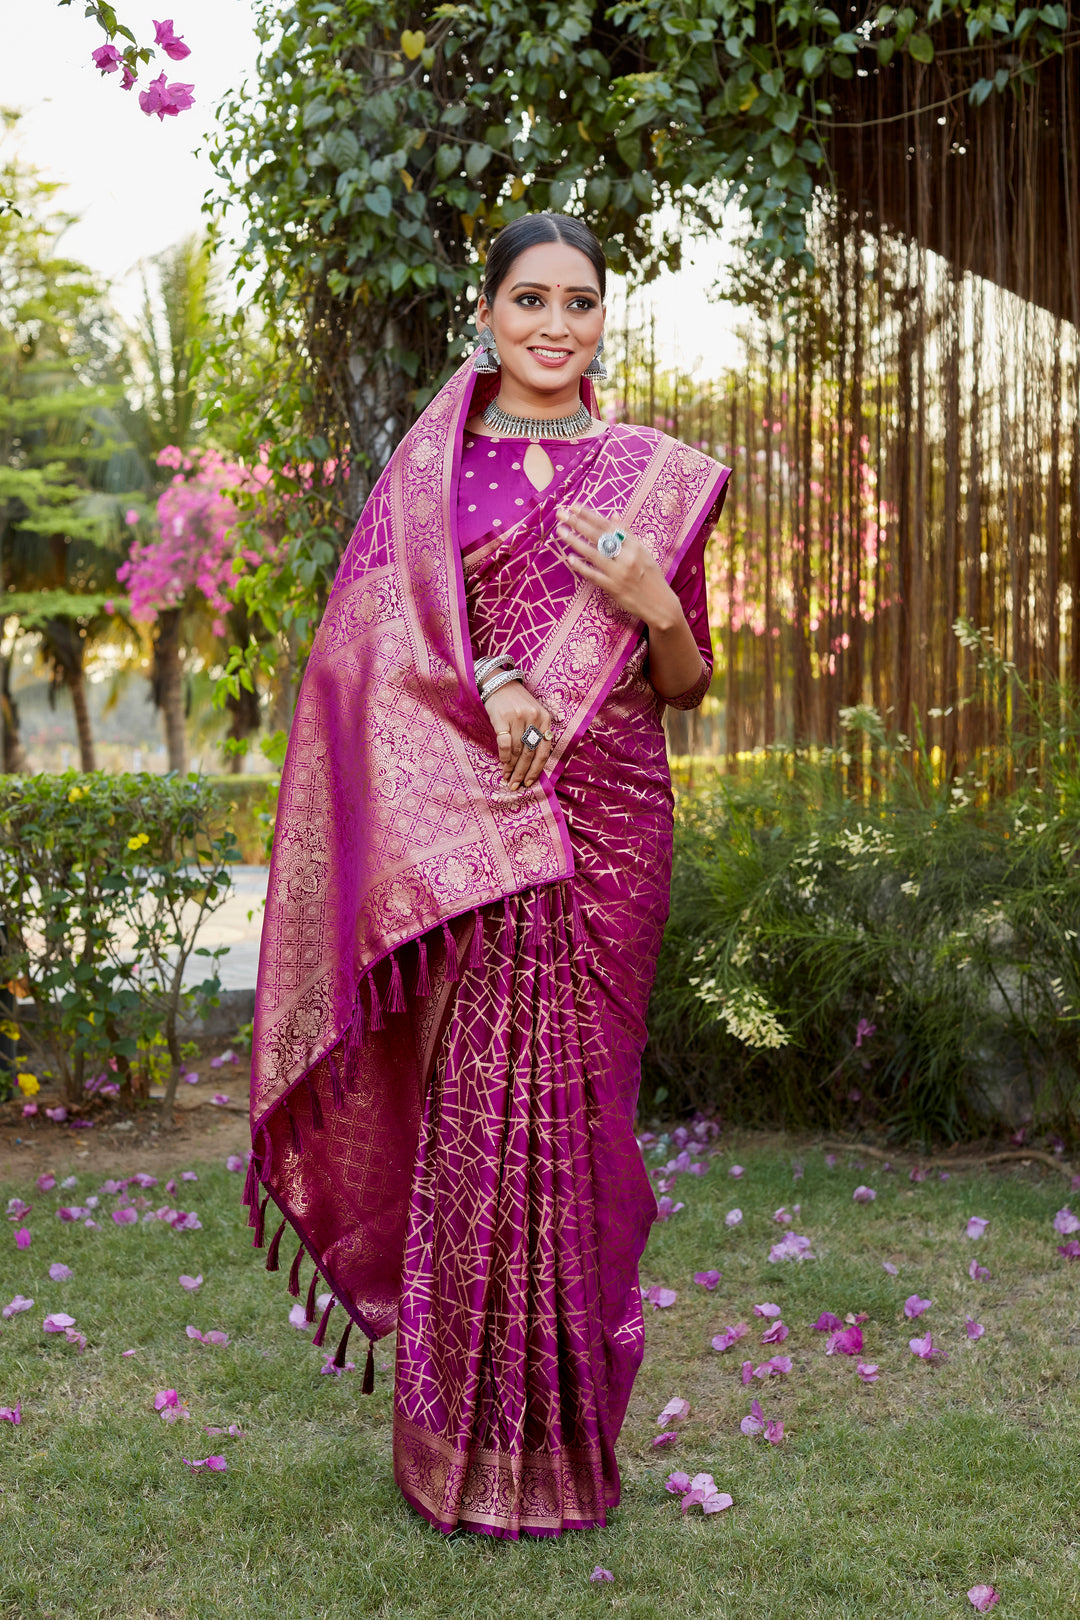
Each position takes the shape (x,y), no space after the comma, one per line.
(669,614)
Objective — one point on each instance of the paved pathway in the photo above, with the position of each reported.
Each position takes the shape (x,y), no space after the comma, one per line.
(232,925)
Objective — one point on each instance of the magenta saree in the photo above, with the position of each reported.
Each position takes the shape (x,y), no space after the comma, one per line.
(453,979)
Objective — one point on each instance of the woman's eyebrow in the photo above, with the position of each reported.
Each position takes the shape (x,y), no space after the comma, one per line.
(541,286)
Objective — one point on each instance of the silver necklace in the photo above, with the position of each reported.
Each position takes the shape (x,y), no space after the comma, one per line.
(544,427)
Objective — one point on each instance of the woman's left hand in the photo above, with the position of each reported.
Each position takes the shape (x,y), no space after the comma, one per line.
(632,579)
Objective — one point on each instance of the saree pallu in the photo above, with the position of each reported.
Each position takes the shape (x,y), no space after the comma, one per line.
(453,981)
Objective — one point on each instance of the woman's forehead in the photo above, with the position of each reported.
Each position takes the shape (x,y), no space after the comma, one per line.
(552,264)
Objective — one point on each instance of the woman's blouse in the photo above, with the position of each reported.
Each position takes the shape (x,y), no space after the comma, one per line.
(495,493)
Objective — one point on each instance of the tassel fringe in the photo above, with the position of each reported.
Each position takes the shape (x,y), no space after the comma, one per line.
(335,1081)
(251,1187)
(451,955)
(309,1308)
(294,1273)
(297,1139)
(396,1002)
(476,946)
(320,1331)
(317,1119)
(376,1016)
(509,931)
(369,1370)
(343,1344)
(423,977)
(260,1225)
(275,1248)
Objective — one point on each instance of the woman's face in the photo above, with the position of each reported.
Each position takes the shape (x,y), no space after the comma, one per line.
(547,318)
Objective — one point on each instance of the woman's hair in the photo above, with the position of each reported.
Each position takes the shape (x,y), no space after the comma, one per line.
(529,231)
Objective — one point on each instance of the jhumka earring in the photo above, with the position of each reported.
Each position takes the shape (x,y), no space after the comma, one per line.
(486,357)
(596,371)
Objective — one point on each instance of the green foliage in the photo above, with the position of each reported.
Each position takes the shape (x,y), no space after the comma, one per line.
(806,908)
(104,883)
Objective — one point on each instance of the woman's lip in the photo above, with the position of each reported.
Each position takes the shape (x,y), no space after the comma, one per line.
(549,359)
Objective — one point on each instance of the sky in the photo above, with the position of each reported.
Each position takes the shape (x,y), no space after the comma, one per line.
(138,183)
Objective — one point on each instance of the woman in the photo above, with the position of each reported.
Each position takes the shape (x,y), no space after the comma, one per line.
(468,890)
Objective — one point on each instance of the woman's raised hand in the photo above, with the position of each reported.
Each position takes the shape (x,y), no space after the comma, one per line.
(512,710)
(632,578)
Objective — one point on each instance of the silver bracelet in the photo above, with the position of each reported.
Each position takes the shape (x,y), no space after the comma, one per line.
(497,682)
(485,666)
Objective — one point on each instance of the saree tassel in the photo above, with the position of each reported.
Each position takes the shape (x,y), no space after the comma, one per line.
(275,1247)
(251,1188)
(476,947)
(266,1162)
(423,977)
(509,931)
(355,1038)
(320,1331)
(535,928)
(297,1139)
(451,954)
(375,1017)
(343,1345)
(260,1225)
(368,1385)
(309,1308)
(336,1089)
(294,1273)
(396,1002)
(316,1106)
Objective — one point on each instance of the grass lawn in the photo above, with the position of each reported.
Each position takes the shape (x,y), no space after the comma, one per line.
(883,1500)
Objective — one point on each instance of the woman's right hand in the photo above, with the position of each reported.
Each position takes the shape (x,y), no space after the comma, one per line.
(511,710)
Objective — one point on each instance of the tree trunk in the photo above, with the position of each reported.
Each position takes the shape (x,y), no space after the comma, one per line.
(13,761)
(75,681)
(169,687)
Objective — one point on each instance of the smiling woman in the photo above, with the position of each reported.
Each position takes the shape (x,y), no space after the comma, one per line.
(469,885)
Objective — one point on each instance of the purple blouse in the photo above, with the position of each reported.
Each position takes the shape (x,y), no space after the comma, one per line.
(494,493)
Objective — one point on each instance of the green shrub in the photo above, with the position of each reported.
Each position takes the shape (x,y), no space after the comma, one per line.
(246,806)
(104,883)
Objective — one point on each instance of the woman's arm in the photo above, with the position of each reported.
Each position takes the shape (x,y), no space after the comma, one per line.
(634,580)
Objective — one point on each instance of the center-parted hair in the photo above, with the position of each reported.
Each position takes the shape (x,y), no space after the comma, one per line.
(529,231)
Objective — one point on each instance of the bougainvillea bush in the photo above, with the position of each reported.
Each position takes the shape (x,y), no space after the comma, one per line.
(104,883)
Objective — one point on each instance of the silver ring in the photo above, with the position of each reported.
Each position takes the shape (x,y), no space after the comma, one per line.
(609,545)
(531,738)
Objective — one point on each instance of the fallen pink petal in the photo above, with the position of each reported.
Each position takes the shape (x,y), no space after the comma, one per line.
(774,1431)
(733,1217)
(917,1174)
(864,1195)
(189,1175)
(707,1279)
(46,1181)
(914,1306)
(661,1298)
(676,1411)
(220,1098)
(234,1162)
(737,1172)
(849,1342)
(23,1238)
(124,1353)
(828,1323)
(754,1422)
(1070,1250)
(17,1209)
(599,1574)
(11,1414)
(677,1483)
(1066,1222)
(731,1335)
(976,1226)
(773,1367)
(16,1307)
(668,1438)
(190,1283)
(775,1334)
(978,1273)
(217,1465)
(982,1598)
(925,1349)
(790,1247)
(57,1115)
(166,1397)
(782,1217)
(975,1330)
(125,1217)
(868,1372)
(768,1309)
(887,1265)
(73,1336)
(58,1272)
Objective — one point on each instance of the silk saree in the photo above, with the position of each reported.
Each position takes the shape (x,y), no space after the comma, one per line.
(453,979)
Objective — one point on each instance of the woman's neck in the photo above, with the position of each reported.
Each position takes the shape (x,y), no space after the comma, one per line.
(518,400)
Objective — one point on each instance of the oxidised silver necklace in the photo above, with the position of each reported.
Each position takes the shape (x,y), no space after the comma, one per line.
(544,427)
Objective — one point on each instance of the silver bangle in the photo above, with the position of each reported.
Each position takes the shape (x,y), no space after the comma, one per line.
(484,666)
(497,682)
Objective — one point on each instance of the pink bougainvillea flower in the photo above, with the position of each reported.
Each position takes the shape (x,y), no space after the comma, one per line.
(107,58)
(790,1247)
(170,42)
(665,1209)
(329,1367)
(774,1367)
(776,1334)
(977,1273)
(215,1336)
(176,1414)
(167,100)
(863,1316)
(668,1438)
(182,1221)
(72,1212)
(661,1298)
(1066,1222)
(220,1099)
(747,1371)
(73,1336)
(827,1323)
(57,1114)
(868,1372)
(1070,1250)
(704,1494)
(677,1483)
(782,1217)
(125,1353)
(58,1272)
(975,1330)
(925,1349)
(57,1322)
(16,1307)
(17,1209)
(731,1335)
(774,1431)
(707,1279)
(599,1574)
(754,1423)
(217,1465)
(863,1031)
(46,1181)
(298,1318)
(737,1172)
(143,1180)
(917,1174)
(234,1162)
(126,1216)
(170,1186)
(190,1283)
(983,1598)
(733,1217)
(864,1195)
(846,1343)
(69,1182)
(11,1414)
(23,1238)
(830,1161)
(976,1226)
(914,1306)
(164,1398)
(887,1265)
(767,1309)
(676,1411)
(191,1078)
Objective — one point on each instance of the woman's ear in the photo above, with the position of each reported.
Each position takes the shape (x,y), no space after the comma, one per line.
(483,313)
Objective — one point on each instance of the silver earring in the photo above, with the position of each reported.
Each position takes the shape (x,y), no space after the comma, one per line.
(596,371)
(486,357)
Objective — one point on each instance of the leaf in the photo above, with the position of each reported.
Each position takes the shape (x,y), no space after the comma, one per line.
(597,191)
(412,42)
(316,112)
(447,161)
(477,159)
(812,58)
(921,47)
(274,748)
(782,151)
(341,147)
(378,201)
